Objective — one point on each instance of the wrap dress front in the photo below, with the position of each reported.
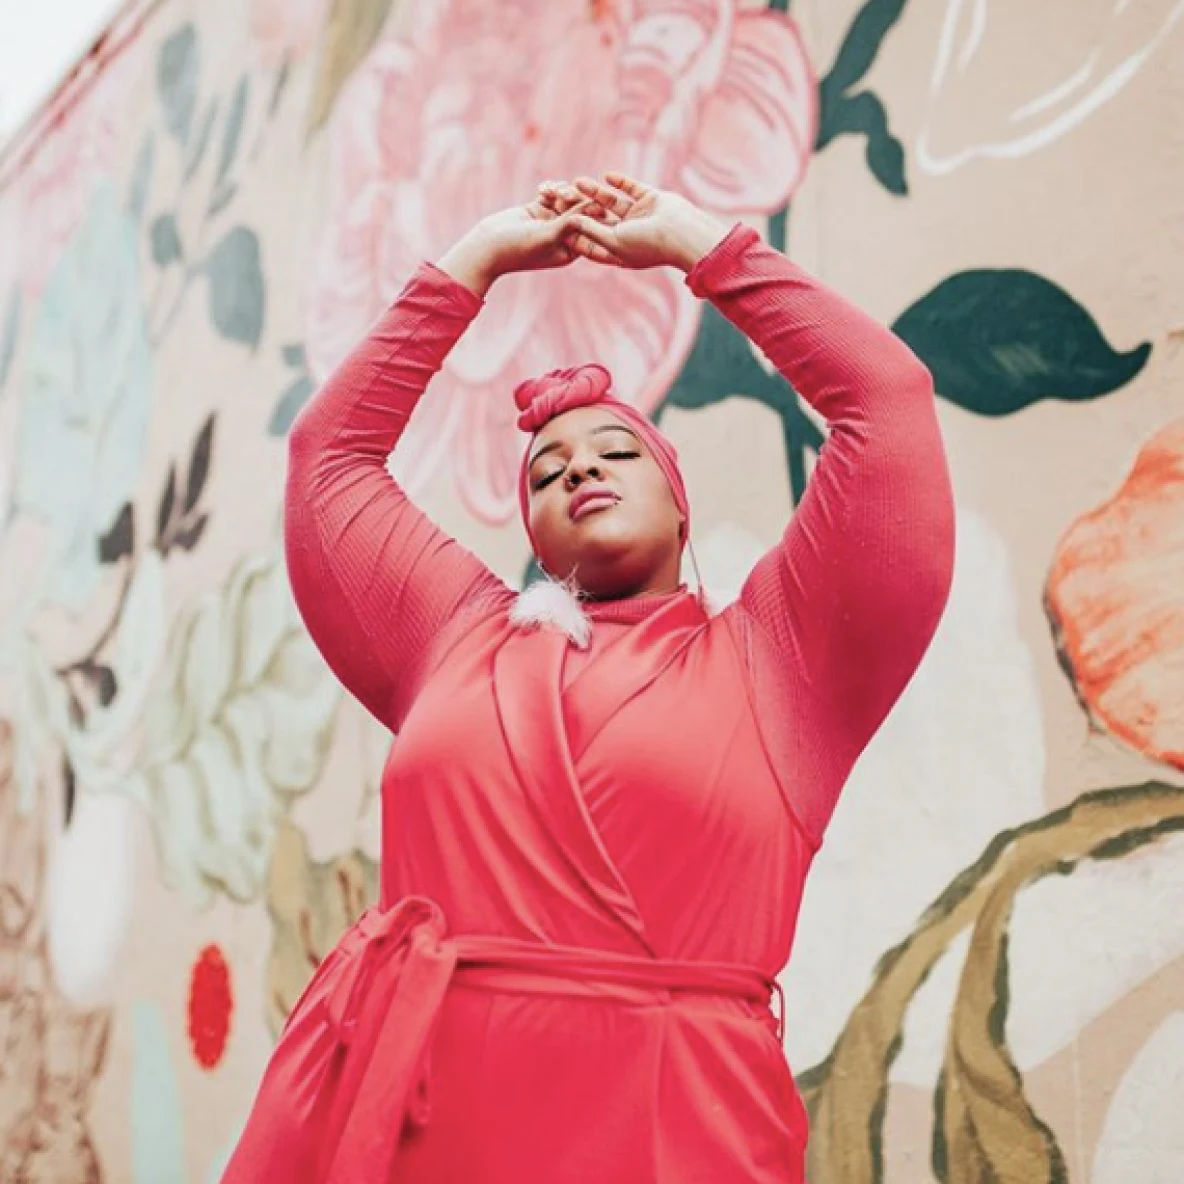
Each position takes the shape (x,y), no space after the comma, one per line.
(593,859)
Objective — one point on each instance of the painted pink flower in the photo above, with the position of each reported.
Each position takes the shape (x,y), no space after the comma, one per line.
(55,168)
(285,28)
(473,106)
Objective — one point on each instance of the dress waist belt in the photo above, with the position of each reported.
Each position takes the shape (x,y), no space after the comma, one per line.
(383,986)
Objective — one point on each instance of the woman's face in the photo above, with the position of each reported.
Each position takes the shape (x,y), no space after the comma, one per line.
(601,510)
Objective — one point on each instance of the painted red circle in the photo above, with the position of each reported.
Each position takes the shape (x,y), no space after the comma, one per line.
(210,1007)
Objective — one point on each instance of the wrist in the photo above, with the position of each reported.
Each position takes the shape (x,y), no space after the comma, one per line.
(472,261)
(695,237)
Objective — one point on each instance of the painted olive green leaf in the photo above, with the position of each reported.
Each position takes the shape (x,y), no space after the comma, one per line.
(166,240)
(137,193)
(998,341)
(232,129)
(8,333)
(291,401)
(279,86)
(177,68)
(982,1117)
(722,365)
(351,29)
(236,286)
(987,1129)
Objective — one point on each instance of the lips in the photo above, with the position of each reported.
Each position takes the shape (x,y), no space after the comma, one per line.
(587,501)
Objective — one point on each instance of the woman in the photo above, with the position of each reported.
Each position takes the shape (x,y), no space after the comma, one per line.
(595,837)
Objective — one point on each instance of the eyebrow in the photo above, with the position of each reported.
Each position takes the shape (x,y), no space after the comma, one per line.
(608,427)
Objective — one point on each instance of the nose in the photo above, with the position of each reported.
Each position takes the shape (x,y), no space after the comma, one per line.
(582,467)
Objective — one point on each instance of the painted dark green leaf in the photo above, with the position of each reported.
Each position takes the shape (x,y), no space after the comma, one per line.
(190,534)
(164,511)
(166,240)
(137,193)
(862,45)
(722,365)
(291,401)
(201,142)
(232,130)
(999,340)
(199,464)
(177,68)
(8,333)
(120,540)
(843,114)
(236,287)
(863,114)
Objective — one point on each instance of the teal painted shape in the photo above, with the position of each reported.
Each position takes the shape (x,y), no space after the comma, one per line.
(158,1138)
(237,292)
(998,341)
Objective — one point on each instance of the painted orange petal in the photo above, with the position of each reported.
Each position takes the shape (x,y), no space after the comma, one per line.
(1115,598)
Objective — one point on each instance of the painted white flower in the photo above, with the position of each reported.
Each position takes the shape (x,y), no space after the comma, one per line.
(1143,1138)
(238,728)
(90,898)
(725,556)
(1010,78)
(960,758)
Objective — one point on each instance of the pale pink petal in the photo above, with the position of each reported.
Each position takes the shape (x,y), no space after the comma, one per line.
(374,134)
(641,325)
(757,129)
(285,28)
(672,58)
(346,293)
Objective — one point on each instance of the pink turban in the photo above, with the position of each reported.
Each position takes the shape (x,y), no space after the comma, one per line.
(540,400)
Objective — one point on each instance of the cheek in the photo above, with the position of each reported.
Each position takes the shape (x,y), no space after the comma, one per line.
(547,525)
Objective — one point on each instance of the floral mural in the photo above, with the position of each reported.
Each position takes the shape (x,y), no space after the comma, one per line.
(203,220)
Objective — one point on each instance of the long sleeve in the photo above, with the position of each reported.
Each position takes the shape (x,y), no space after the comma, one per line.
(375,580)
(848,601)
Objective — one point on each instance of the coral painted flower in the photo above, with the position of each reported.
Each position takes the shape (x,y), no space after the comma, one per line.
(210,1006)
(475,105)
(1115,596)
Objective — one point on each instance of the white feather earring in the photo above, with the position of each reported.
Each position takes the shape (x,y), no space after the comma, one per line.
(549,604)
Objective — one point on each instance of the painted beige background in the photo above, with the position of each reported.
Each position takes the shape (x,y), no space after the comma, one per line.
(222,805)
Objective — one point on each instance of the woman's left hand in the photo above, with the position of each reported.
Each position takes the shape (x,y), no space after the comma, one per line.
(633,225)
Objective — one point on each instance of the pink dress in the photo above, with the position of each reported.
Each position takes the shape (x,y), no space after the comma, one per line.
(593,860)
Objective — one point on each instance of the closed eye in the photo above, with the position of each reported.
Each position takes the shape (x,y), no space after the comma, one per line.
(621,454)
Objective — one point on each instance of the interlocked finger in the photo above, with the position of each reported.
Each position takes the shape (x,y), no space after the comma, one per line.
(613,201)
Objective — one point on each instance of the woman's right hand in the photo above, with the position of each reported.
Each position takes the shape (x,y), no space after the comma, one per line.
(523,238)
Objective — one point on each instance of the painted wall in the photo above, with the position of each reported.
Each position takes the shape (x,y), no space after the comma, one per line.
(989,978)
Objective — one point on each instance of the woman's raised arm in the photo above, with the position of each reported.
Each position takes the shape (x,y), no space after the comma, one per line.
(851,596)
(374,578)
